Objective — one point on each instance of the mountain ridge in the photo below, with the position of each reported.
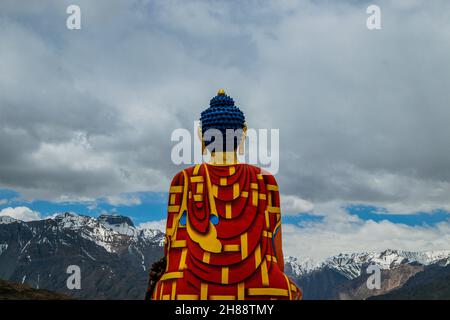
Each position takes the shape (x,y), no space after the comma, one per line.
(16,291)
(350,265)
(114,255)
(345,276)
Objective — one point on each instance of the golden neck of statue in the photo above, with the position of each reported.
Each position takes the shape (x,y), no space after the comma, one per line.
(224,158)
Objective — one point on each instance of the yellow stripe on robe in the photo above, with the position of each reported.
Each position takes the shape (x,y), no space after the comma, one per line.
(228,214)
(273,209)
(182,264)
(171,275)
(267,292)
(172,198)
(257,256)
(204,291)
(176,189)
(174,290)
(225,271)
(255,198)
(197,179)
(231,247)
(264,273)
(178,244)
(235,190)
(172,209)
(187,297)
(241,291)
(221,297)
(244,248)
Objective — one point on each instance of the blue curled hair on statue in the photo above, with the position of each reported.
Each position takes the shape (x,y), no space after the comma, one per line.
(224,119)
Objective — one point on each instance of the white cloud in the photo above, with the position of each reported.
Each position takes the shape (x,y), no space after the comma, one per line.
(21,213)
(357,122)
(155,225)
(3,201)
(123,200)
(344,233)
(292,205)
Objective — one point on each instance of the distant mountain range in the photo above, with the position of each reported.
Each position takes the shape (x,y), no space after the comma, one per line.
(345,276)
(114,257)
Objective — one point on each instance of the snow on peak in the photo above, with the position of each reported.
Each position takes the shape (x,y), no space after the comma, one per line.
(120,224)
(69,220)
(107,230)
(352,265)
(7,220)
(423,257)
(300,266)
(88,228)
(153,235)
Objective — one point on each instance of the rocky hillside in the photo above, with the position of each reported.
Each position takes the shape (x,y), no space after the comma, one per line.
(113,256)
(431,284)
(345,276)
(16,291)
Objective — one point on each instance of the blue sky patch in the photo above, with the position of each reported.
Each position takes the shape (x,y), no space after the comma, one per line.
(377,214)
(302,219)
(152,206)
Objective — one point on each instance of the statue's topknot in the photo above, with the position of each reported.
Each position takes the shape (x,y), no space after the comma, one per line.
(222,114)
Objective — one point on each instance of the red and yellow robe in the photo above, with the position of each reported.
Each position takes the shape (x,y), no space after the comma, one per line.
(223,238)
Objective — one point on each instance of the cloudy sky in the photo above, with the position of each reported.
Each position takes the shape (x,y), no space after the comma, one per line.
(86,115)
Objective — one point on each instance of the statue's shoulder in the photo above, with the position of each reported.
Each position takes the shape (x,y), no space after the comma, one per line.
(268,178)
(178,179)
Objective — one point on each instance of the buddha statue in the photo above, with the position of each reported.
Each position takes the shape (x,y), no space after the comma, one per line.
(223,234)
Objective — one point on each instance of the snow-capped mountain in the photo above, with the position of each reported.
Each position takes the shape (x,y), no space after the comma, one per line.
(120,224)
(352,265)
(112,253)
(107,231)
(344,276)
(114,256)
(299,267)
(6,220)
